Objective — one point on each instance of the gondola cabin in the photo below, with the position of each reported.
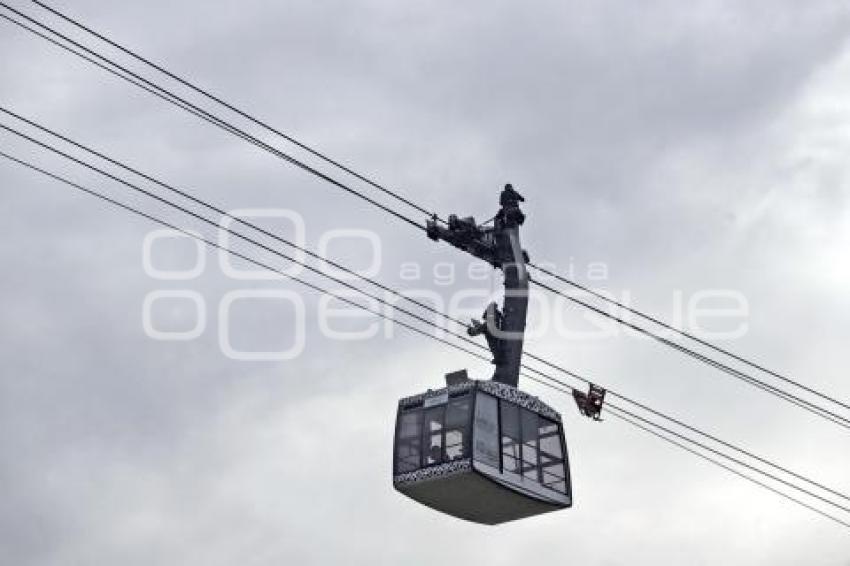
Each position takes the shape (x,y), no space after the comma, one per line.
(482,451)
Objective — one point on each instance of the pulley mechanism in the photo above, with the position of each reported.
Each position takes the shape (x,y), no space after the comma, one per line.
(590,403)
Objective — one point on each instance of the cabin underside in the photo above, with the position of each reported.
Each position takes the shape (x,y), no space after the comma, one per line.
(459,490)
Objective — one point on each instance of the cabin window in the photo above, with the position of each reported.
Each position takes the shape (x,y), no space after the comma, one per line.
(408,445)
(511,440)
(552,461)
(432,435)
(458,413)
(486,449)
(529,445)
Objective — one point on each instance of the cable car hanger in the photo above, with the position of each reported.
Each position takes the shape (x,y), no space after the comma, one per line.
(590,403)
(500,247)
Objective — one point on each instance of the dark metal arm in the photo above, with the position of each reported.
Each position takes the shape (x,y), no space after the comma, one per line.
(500,247)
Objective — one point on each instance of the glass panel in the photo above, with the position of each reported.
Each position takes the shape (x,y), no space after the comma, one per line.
(486,434)
(457,428)
(529,445)
(552,464)
(510,437)
(433,435)
(409,441)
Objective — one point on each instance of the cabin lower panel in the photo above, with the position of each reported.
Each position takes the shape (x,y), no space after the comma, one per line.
(458,490)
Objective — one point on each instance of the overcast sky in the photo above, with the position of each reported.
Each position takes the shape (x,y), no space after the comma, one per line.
(688,146)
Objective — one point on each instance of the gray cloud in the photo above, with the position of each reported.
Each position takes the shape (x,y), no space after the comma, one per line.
(687,147)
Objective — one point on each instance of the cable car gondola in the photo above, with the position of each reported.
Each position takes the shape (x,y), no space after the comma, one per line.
(483,450)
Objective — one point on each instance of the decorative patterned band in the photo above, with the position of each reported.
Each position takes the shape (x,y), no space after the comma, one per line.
(520,398)
(434,472)
(494,388)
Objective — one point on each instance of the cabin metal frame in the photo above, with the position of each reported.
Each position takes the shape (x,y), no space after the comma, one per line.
(471,487)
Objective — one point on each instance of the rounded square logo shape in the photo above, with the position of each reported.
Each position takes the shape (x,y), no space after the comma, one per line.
(197,301)
(172,275)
